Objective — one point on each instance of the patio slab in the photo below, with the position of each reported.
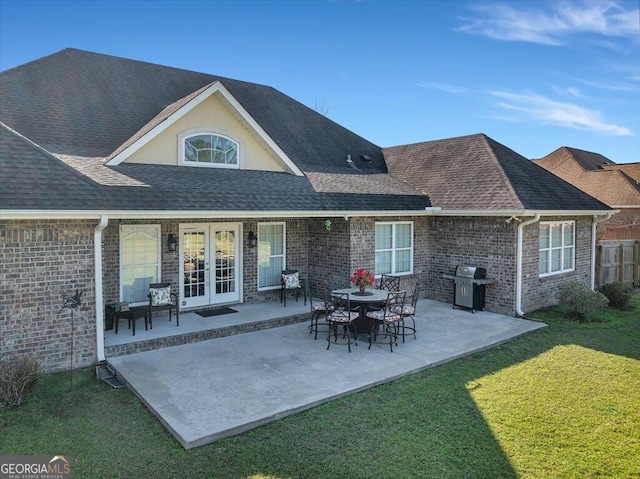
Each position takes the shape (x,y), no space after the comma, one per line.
(206,391)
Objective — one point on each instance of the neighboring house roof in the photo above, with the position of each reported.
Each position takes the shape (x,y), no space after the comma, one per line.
(68,120)
(477,173)
(617,185)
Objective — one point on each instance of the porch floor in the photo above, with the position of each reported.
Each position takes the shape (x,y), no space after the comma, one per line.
(209,390)
(193,327)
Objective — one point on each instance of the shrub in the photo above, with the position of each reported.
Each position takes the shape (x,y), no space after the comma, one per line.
(579,301)
(619,294)
(17,377)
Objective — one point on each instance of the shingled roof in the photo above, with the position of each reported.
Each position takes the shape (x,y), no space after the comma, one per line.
(71,111)
(64,116)
(477,173)
(617,185)
(87,104)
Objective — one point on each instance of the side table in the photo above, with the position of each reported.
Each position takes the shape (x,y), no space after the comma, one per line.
(134,313)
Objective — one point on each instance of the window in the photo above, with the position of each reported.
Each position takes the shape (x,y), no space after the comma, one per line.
(394,248)
(557,247)
(202,147)
(271,254)
(139,261)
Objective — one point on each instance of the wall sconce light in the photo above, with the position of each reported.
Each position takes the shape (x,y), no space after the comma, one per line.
(172,242)
(253,239)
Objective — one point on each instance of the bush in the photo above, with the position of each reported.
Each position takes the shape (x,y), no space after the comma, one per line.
(579,301)
(17,378)
(619,294)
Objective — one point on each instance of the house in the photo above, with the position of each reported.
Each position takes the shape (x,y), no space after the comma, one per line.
(116,174)
(617,185)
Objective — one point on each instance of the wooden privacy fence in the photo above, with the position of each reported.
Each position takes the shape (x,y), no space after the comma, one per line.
(618,260)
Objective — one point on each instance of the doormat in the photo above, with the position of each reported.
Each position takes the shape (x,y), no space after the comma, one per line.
(215,312)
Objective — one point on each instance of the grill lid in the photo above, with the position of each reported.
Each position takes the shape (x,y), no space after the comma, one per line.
(466,271)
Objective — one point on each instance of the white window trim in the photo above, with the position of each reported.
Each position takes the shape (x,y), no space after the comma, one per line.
(562,248)
(184,135)
(393,248)
(284,252)
(159,257)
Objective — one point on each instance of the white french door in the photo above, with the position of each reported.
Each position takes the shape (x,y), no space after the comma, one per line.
(210,266)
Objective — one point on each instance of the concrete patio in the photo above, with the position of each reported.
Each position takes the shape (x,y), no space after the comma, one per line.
(212,389)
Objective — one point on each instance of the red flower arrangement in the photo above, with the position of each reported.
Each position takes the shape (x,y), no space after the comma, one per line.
(362,278)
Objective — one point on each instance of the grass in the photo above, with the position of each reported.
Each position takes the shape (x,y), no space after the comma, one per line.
(562,402)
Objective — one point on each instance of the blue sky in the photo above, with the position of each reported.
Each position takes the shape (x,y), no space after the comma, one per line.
(533,75)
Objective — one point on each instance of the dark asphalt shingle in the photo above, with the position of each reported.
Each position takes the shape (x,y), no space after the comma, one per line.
(84,107)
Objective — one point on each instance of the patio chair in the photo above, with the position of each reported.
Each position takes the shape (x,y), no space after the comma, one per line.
(293,282)
(320,309)
(408,311)
(388,318)
(389,283)
(342,316)
(162,299)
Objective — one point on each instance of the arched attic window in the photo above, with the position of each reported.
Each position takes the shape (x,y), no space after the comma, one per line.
(209,149)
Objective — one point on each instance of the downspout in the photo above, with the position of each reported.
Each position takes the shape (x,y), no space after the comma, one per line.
(521,226)
(97,258)
(594,224)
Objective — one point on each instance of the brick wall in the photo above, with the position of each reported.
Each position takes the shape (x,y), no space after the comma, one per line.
(329,254)
(41,261)
(483,242)
(541,292)
(350,244)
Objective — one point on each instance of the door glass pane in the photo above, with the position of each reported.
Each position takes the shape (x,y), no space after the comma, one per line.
(194,263)
(225,261)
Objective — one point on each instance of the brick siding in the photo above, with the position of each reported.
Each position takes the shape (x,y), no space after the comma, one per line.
(42,260)
(488,243)
(541,292)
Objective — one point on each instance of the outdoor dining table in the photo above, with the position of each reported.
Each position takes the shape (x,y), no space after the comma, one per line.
(371,298)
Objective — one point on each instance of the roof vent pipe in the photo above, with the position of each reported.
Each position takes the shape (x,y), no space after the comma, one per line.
(351,163)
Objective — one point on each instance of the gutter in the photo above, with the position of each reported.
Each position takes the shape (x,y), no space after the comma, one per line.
(594,224)
(97,258)
(521,226)
(183,214)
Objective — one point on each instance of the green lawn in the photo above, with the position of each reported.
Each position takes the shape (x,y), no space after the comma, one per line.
(562,402)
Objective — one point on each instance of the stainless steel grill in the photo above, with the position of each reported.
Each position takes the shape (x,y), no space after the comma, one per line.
(469,287)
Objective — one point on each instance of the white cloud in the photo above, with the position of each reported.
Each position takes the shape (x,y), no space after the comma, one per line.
(555,25)
(530,106)
(443,87)
(617,86)
(571,91)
